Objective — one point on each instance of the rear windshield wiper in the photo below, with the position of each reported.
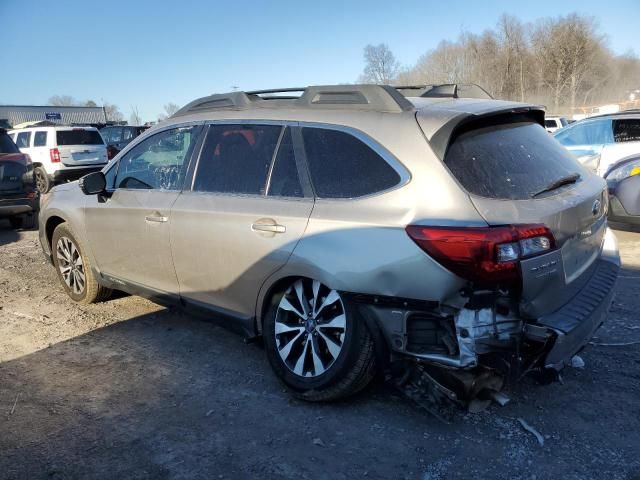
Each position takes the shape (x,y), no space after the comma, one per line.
(568,180)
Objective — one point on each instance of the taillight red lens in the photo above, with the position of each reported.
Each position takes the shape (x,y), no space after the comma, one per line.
(54,153)
(478,253)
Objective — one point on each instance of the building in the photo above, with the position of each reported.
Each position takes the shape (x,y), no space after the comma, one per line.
(12,115)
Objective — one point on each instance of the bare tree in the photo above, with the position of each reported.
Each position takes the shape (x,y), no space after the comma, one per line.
(62,101)
(381,65)
(562,62)
(112,112)
(90,103)
(135,118)
(169,109)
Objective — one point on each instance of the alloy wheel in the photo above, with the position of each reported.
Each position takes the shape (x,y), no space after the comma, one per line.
(41,181)
(70,265)
(310,327)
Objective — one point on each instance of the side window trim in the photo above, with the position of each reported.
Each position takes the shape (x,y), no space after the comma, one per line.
(273,160)
(386,155)
(302,163)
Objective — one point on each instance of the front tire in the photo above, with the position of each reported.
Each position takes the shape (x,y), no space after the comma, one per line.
(74,269)
(316,342)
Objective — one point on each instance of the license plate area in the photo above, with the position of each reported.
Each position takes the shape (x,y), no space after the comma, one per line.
(580,251)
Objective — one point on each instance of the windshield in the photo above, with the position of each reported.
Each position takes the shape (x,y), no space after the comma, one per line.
(79,136)
(509,161)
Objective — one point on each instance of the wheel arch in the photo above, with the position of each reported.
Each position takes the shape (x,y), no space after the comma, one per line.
(266,295)
(50,226)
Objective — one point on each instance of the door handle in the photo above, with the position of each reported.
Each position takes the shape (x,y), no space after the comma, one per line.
(157,219)
(268,227)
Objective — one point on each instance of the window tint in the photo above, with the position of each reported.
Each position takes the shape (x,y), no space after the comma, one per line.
(236,158)
(111,134)
(549,123)
(7,145)
(626,130)
(79,136)
(158,162)
(343,166)
(596,132)
(285,180)
(23,140)
(508,161)
(40,139)
(127,134)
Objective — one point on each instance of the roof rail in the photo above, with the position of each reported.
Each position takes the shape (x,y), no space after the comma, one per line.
(379,98)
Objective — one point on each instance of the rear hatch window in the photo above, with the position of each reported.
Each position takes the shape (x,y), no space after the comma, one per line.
(511,161)
(11,176)
(79,137)
(7,145)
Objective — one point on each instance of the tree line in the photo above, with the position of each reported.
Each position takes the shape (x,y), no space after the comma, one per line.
(562,62)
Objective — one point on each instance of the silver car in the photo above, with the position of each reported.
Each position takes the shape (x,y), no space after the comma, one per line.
(352,229)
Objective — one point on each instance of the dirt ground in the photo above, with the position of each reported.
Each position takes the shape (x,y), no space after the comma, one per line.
(128,389)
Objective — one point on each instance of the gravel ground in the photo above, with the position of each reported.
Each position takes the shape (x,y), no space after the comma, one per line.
(128,389)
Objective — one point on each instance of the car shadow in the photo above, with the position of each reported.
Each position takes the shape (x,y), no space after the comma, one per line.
(7,233)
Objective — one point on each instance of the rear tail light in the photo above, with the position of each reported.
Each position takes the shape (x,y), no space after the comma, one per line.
(485,255)
(54,153)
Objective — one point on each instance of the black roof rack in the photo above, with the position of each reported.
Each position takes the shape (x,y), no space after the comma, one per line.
(381,98)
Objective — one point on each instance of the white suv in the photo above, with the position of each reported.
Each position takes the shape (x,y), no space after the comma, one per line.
(61,154)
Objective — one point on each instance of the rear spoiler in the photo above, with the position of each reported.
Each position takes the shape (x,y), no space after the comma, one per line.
(465,121)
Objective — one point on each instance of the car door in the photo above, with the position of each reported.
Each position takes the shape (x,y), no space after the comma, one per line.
(40,152)
(128,231)
(23,141)
(587,139)
(248,207)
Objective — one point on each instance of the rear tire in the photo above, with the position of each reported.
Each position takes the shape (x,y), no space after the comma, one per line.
(43,182)
(317,344)
(74,268)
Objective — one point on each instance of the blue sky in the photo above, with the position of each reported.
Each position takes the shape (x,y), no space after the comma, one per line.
(148,53)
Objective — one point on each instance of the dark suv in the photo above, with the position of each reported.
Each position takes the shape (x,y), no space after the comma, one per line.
(18,195)
(118,136)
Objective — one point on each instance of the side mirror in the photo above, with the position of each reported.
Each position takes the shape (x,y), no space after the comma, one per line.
(93,183)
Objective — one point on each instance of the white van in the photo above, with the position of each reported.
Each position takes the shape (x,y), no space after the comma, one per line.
(61,154)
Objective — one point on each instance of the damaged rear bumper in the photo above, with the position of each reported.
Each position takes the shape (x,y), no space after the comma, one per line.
(570,328)
(461,339)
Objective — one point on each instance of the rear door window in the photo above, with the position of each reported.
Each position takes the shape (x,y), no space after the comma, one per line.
(236,159)
(40,139)
(78,136)
(626,130)
(343,166)
(23,140)
(285,178)
(508,161)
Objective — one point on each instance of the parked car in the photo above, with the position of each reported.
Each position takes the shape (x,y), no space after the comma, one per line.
(623,180)
(119,136)
(599,142)
(61,154)
(553,123)
(349,228)
(18,196)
